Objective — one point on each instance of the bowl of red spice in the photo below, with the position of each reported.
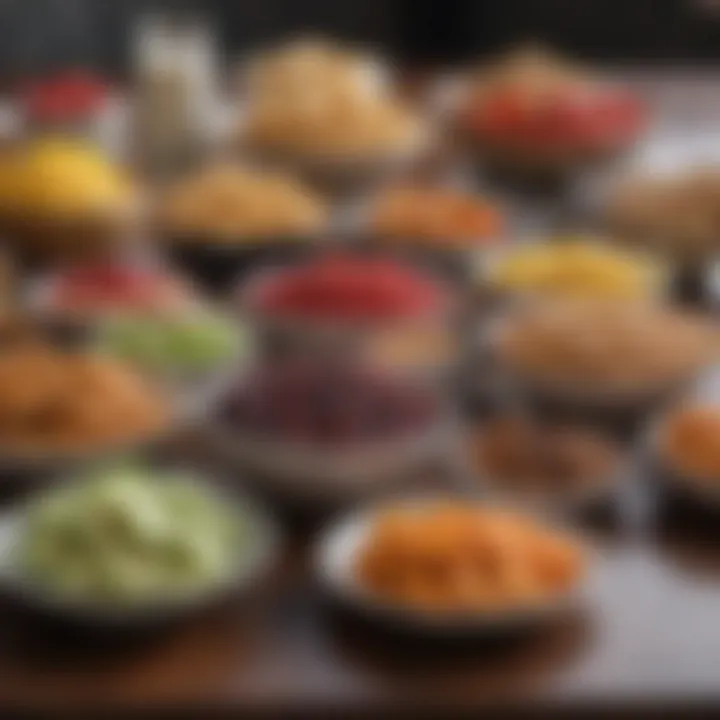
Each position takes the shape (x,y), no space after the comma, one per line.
(552,466)
(67,101)
(340,300)
(534,116)
(85,293)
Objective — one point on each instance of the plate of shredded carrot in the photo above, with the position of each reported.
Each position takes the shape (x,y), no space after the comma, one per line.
(453,564)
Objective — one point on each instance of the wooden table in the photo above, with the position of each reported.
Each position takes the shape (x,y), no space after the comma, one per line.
(649,635)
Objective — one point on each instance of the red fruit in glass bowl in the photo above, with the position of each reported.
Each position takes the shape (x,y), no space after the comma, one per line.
(115,286)
(348,289)
(68,96)
(573,119)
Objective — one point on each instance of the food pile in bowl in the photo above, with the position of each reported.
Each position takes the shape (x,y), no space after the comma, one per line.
(687,444)
(674,214)
(186,344)
(575,267)
(348,302)
(347,289)
(93,290)
(280,69)
(452,558)
(604,351)
(226,220)
(69,99)
(128,537)
(56,403)
(532,111)
(543,463)
(229,204)
(434,218)
(321,112)
(63,198)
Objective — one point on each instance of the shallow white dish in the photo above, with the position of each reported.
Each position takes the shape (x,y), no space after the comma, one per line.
(335,557)
(256,559)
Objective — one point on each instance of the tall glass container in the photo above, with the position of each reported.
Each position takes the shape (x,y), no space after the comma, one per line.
(175,58)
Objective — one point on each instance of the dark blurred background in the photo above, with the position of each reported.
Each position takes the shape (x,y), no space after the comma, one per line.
(47,34)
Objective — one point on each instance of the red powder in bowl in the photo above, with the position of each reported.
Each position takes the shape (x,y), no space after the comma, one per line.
(349,288)
(109,286)
(599,118)
(65,97)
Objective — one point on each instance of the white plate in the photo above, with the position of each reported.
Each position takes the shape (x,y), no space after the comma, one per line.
(335,558)
(257,558)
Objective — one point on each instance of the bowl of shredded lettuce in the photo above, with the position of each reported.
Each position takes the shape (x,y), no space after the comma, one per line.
(186,343)
(194,355)
(132,542)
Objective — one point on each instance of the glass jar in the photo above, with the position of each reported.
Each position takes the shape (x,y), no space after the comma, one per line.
(176,91)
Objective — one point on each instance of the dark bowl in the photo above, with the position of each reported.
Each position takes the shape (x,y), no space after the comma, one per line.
(219,266)
(535,174)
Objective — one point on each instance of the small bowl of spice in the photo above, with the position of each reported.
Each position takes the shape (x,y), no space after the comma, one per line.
(444,229)
(685,454)
(226,220)
(340,301)
(553,466)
